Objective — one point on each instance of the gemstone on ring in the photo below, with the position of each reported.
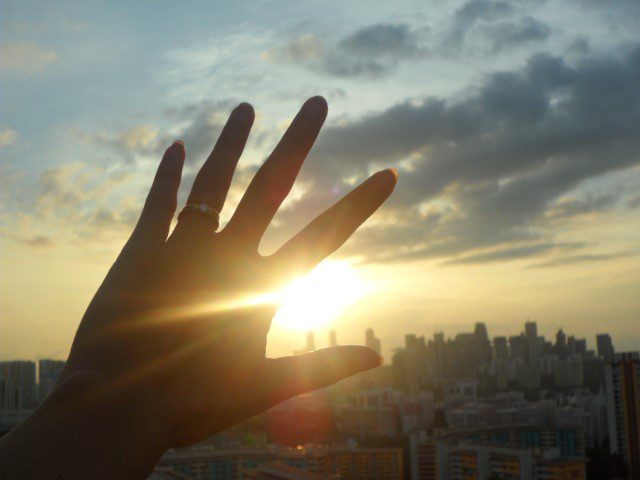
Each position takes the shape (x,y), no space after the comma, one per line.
(203,209)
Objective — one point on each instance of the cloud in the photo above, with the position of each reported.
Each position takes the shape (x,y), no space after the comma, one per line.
(25,57)
(512,253)
(488,27)
(37,241)
(485,174)
(300,49)
(572,207)
(487,169)
(468,15)
(200,124)
(510,34)
(372,51)
(74,203)
(7,137)
(128,143)
(579,259)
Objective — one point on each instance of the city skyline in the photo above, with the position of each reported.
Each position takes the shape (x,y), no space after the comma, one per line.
(322,338)
(440,408)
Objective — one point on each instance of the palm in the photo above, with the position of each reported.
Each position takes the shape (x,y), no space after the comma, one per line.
(171,318)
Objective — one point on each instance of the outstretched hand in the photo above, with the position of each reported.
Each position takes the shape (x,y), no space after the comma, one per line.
(175,314)
(175,329)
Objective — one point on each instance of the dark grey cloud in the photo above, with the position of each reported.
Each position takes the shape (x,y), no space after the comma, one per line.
(397,40)
(488,27)
(488,169)
(511,34)
(371,51)
(469,14)
(633,202)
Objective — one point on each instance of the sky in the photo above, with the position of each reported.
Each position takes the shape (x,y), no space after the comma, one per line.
(514,126)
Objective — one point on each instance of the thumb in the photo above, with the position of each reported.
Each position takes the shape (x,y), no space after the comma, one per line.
(291,376)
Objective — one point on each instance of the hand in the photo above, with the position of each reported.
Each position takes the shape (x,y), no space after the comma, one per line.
(173,328)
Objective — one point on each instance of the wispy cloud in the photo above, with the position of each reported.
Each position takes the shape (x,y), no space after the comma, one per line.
(25,57)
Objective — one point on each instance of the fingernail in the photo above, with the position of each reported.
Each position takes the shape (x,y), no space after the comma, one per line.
(390,173)
(318,103)
(245,109)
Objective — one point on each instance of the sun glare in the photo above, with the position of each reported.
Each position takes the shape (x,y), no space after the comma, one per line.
(316,299)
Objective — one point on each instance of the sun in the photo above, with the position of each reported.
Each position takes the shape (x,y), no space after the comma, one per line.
(314,300)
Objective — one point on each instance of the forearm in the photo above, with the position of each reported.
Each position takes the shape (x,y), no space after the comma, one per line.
(79,433)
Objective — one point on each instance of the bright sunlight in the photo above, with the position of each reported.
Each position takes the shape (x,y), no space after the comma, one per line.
(314,300)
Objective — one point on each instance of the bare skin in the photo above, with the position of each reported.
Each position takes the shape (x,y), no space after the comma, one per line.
(169,350)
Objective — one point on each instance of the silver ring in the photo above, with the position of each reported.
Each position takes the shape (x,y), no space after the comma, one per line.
(202,209)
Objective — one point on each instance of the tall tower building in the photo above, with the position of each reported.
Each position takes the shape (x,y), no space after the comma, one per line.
(561,344)
(531,330)
(333,339)
(605,346)
(372,342)
(500,349)
(622,385)
(311,342)
(531,343)
(48,373)
(17,385)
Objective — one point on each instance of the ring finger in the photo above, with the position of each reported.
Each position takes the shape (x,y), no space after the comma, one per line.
(214,178)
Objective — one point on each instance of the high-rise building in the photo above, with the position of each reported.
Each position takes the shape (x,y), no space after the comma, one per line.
(517,347)
(48,373)
(605,346)
(561,344)
(370,414)
(372,342)
(310,345)
(439,356)
(423,455)
(622,385)
(17,385)
(500,349)
(333,339)
(311,342)
(482,351)
(531,330)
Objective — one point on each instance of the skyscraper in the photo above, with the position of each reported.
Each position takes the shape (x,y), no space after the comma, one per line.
(310,346)
(500,349)
(481,345)
(517,347)
(531,343)
(311,342)
(561,344)
(605,346)
(48,373)
(531,330)
(333,339)
(17,385)
(622,385)
(372,342)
